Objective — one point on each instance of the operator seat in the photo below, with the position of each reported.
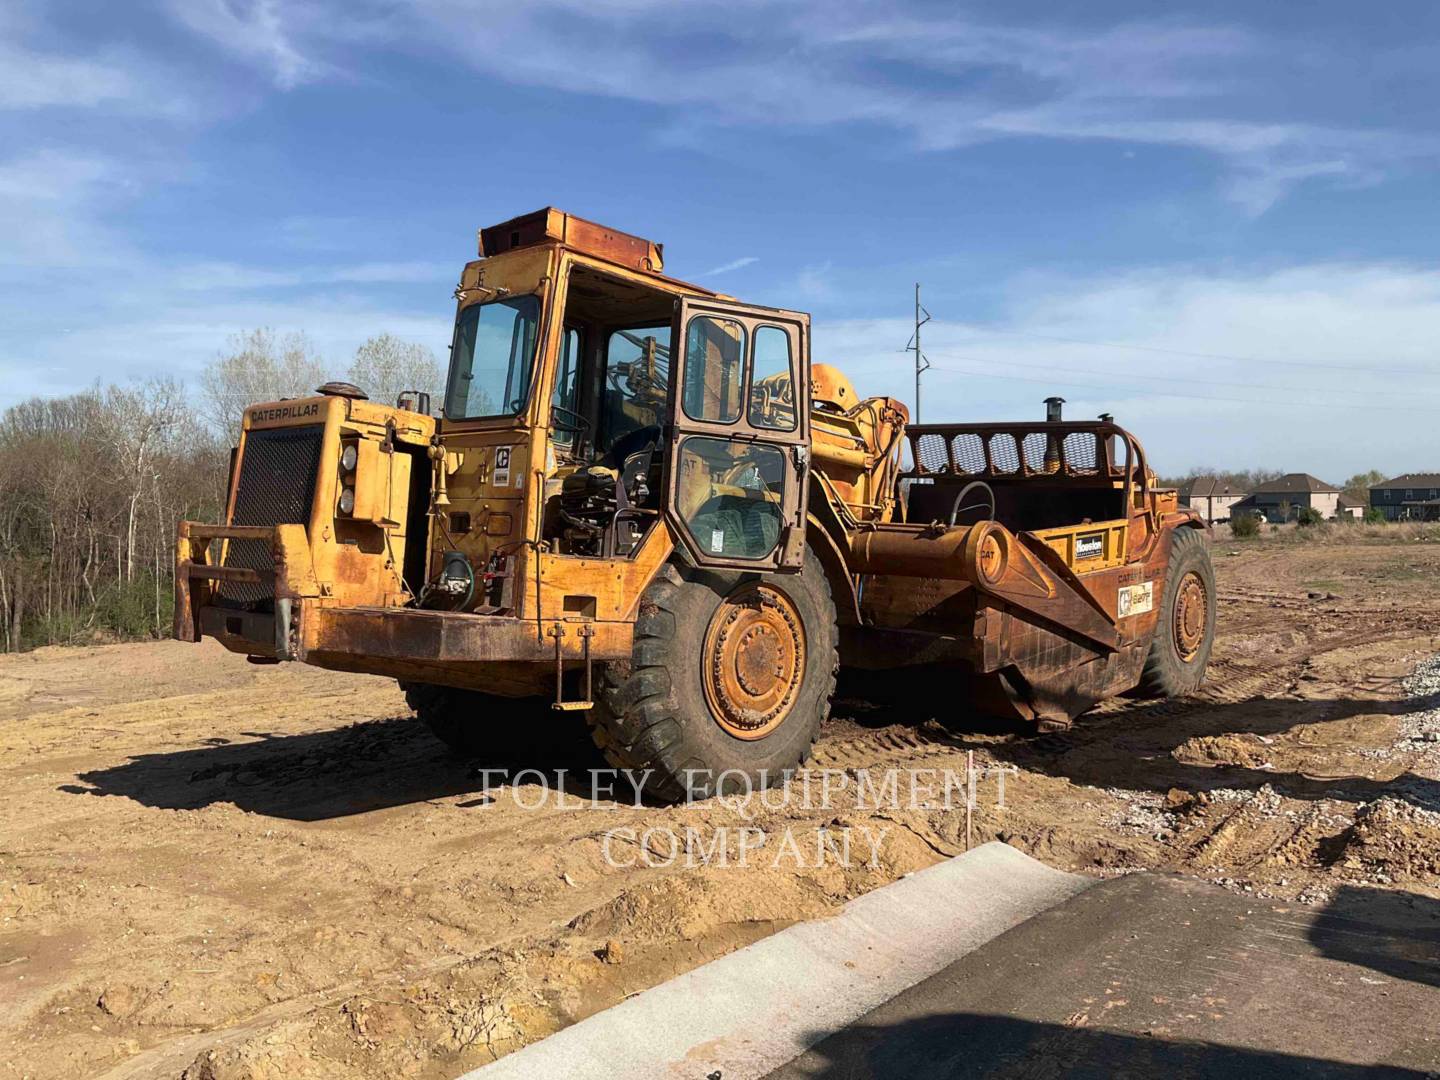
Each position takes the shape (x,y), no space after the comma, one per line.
(632,442)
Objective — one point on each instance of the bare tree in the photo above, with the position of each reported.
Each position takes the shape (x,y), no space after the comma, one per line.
(257,366)
(139,421)
(385,365)
(91,487)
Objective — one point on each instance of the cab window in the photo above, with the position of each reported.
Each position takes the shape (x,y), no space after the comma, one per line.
(637,381)
(772,383)
(566,397)
(730,496)
(492,358)
(714,369)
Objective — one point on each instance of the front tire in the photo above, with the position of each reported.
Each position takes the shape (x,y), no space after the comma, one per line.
(1185,631)
(730,678)
(476,725)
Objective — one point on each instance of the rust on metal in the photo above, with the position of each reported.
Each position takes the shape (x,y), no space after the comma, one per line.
(1030,558)
(1191,614)
(753,661)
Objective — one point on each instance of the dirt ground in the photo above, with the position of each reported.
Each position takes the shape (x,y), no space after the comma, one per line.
(223,871)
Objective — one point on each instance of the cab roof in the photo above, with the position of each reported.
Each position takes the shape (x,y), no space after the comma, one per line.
(552,226)
(556,226)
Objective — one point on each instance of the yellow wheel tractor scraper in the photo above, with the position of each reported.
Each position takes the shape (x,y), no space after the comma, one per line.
(643,502)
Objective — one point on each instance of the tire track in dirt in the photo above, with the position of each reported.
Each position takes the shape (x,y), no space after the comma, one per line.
(1229,681)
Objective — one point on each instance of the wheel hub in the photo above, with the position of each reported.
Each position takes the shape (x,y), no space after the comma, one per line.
(754,661)
(1191,616)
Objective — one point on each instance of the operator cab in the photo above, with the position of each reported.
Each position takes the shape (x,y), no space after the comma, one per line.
(607,411)
(636,397)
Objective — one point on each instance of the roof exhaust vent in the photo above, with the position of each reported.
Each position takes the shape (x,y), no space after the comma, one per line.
(1052,409)
(342,389)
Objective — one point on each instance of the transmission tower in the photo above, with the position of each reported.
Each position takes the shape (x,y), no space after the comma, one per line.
(921,363)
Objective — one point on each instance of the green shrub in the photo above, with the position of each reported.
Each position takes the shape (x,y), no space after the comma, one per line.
(1309,516)
(1245,526)
(1374,516)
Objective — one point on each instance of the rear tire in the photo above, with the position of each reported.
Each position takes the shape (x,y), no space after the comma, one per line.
(730,678)
(1185,632)
(475,725)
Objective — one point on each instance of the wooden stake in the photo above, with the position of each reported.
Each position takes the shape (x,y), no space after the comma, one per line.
(969,792)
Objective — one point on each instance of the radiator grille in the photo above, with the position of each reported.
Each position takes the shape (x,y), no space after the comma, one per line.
(277,487)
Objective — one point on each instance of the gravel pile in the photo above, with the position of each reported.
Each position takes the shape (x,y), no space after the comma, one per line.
(1393,840)
(1420,730)
(1144,813)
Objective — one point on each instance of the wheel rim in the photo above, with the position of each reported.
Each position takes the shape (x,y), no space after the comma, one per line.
(1192,614)
(754,661)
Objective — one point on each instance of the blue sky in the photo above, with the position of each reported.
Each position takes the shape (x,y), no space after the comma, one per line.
(1220,222)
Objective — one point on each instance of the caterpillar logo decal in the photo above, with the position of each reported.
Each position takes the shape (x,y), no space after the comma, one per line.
(284,412)
(1135,599)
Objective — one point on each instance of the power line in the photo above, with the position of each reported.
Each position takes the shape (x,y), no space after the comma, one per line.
(1061,381)
(977,328)
(1007,362)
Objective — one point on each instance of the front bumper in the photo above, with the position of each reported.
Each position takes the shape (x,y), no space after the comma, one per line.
(197,579)
(309,626)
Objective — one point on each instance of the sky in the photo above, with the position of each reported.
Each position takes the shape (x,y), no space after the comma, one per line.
(1219,222)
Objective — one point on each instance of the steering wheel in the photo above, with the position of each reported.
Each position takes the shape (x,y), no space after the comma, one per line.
(578,421)
(986,490)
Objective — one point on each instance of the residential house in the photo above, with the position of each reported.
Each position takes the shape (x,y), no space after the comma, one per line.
(1348,508)
(1283,499)
(1409,496)
(1211,496)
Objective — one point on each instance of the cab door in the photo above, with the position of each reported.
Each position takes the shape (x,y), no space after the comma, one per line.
(738,436)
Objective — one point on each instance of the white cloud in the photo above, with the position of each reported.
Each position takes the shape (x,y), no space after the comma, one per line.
(262,32)
(814,284)
(950,80)
(736,264)
(939,79)
(1260,186)
(40,70)
(30,80)
(1330,369)
(149,327)
(209,276)
(47,202)
(51,176)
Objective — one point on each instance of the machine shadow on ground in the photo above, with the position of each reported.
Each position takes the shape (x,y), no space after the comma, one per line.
(1393,933)
(962,1044)
(379,764)
(330,774)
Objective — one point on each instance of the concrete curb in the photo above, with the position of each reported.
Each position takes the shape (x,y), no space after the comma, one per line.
(752,1011)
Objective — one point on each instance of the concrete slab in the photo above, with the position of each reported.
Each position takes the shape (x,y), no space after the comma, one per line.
(1156,976)
(748,1013)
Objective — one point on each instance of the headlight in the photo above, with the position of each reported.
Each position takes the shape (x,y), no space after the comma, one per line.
(348,457)
(347,500)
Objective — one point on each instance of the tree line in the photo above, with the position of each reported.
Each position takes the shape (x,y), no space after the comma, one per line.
(93,485)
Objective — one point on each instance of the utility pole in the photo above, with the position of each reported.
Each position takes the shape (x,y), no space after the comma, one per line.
(921,364)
